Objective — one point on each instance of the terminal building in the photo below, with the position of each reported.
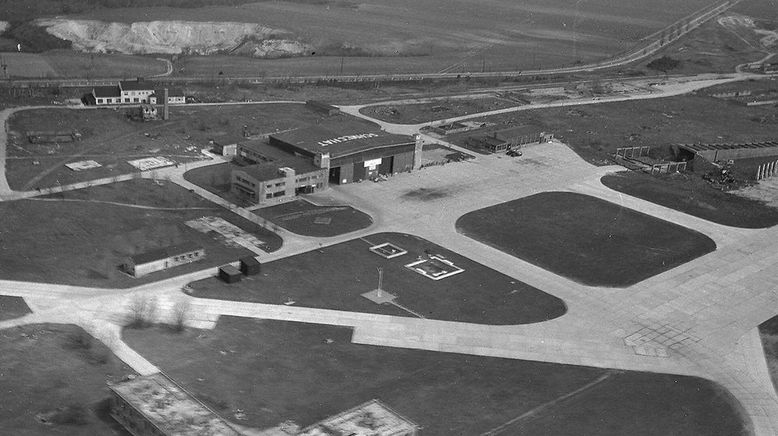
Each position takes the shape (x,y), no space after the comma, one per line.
(352,156)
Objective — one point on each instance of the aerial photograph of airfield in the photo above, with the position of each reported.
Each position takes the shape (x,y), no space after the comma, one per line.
(388,218)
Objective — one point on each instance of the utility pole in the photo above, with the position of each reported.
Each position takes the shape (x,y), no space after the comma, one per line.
(379,289)
(4,66)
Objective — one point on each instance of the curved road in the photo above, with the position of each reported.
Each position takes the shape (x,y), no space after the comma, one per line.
(713,303)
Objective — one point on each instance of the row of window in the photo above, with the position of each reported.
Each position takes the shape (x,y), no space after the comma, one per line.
(118,100)
(184,257)
(245,181)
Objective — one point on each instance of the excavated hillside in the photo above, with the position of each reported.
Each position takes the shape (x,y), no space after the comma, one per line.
(175,37)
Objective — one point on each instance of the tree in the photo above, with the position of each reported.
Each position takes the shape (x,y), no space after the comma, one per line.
(663,64)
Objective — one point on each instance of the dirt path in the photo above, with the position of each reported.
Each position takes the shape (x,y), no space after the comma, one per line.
(135,206)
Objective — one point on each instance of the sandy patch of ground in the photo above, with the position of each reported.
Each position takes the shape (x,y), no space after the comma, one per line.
(766,190)
(173,37)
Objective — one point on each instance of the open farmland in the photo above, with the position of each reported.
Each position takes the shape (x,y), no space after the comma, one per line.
(70,64)
(431,36)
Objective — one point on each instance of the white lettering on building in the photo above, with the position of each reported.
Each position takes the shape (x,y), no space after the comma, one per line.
(346,138)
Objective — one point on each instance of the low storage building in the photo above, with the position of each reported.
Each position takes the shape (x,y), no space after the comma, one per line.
(230,274)
(491,143)
(352,156)
(154,405)
(164,258)
(174,96)
(250,266)
(372,418)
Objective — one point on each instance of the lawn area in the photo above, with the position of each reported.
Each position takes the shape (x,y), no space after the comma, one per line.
(57,372)
(435,110)
(12,307)
(82,238)
(308,219)
(594,131)
(335,277)
(586,239)
(111,138)
(692,195)
(307,372)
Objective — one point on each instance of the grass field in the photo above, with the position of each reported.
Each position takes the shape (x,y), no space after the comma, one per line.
(110,138)
(586,239)
(436,110)
(306,372)
(308,219)
(335,277)
(71,64)
(688,193)
(12,307)
(595,131)
(58,372)
(85,240)
(402,35)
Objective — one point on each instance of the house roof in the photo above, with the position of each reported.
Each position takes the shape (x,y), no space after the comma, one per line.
(164,253)
(135,85)
(106,91)
(317,139)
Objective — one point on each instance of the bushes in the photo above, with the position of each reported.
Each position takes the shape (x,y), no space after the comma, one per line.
(91,350)
(142,312)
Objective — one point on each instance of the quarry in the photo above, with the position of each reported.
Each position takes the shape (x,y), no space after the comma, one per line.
(174,37)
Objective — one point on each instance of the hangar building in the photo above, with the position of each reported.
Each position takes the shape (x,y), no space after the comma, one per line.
(354,156)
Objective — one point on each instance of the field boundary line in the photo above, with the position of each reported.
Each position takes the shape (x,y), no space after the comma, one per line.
(547,405)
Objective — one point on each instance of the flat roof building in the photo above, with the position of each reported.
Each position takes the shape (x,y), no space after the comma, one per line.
(154,405)
(369,419)
(163,258)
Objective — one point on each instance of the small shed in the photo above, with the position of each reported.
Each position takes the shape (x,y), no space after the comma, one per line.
(250,266)
(229,274)
(321,107)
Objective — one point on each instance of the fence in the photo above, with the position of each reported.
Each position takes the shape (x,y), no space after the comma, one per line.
(629,152)
(766,170)
(667,168)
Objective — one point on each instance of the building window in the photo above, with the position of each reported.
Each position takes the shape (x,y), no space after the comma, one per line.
(135,100)
(126,100)
(268,196)
(280,184)
(99,101)
(279,194)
